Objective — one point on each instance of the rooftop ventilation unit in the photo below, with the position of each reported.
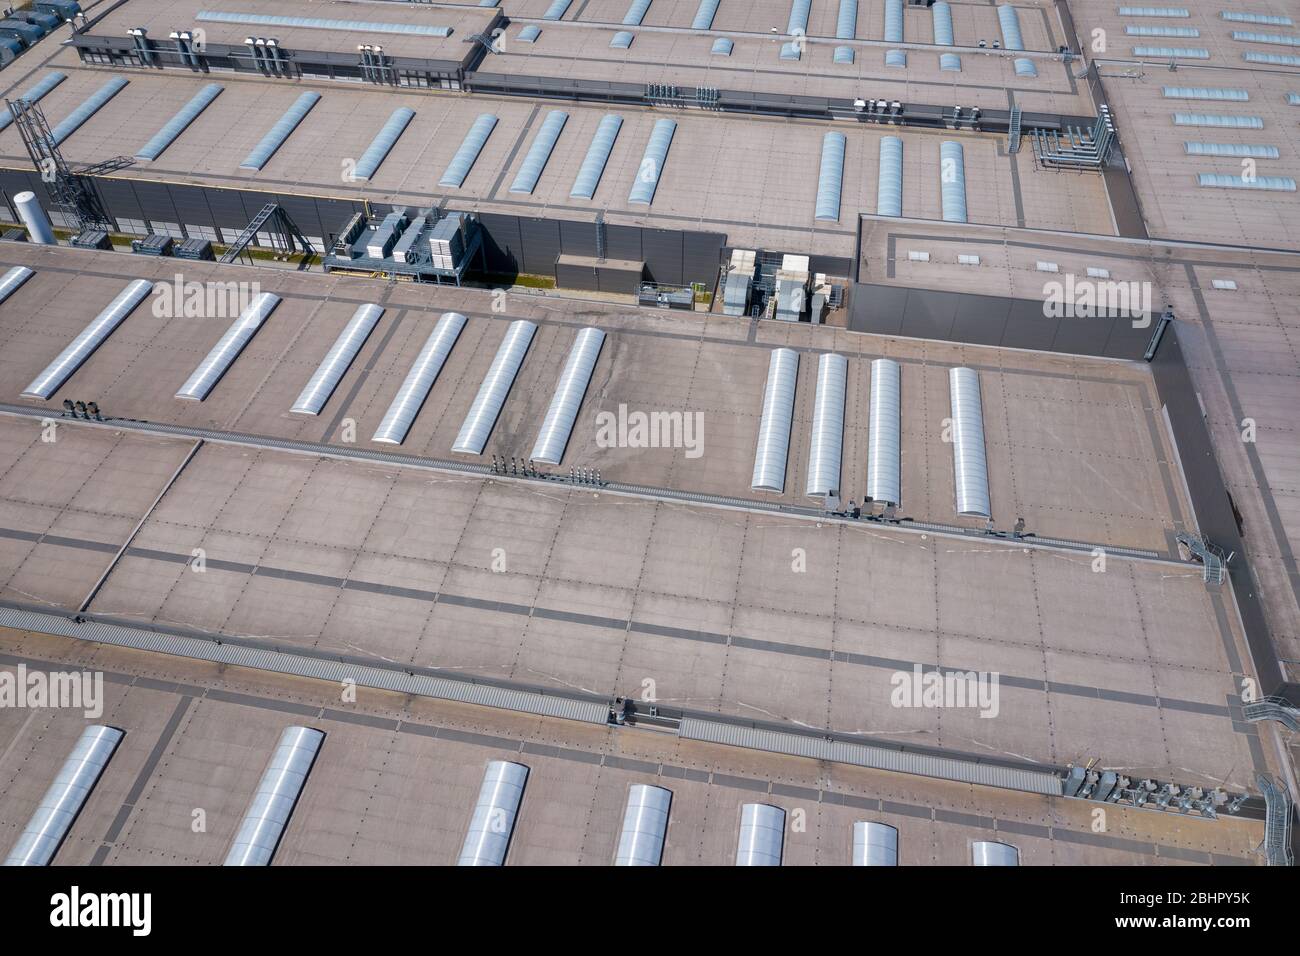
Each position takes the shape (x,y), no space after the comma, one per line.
(827,442)
(884,442)
(652,163)
(645,826)
(874,844)
(54,815)
(277,792)
(773,447)
(334,366)
(970,464)
(83,346)
(468,152)
(178,123)
(283,128)
(539,153)
(557,426)
(316,23)
(224,353)
(762,834)
(495,810)
(419,380)
(383,142)
(593,164)
(491,397)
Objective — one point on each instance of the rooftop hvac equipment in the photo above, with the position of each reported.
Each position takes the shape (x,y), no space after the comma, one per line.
(740,280)
(1222,120)
(493,822)
(874,844)
(970,464)
(337,360)
(593,164)
(33,94)
(496,385)
(224,353)
(762,834)
(773,448)
(178,123)
(1172,53)
(567,400)
(277,134)
(636,13)
(827,442)
(1237,181)
(152,245)
(645,826)
(652,163)
(316,23)
(704,15)
(383,142)
(952,181)
(468,152)
(884,443)
(987,853)
(1231,149)
(419,380)
(59,807)
(92,105)
(194,249)
(13,280)
(274,799)
(380,242)
(448,242)
(404,248)
(889,190)
(830,178)
(539,153)
(83,346)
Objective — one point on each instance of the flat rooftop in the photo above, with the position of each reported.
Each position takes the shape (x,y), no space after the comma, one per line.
(722,174)
(396,779)
(325,552)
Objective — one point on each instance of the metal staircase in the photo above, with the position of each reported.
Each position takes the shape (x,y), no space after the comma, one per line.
(1273,708)
(1013,130)
(1214,560)
(281,227)
(1277,825)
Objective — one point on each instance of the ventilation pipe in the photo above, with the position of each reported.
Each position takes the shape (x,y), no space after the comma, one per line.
(34,218)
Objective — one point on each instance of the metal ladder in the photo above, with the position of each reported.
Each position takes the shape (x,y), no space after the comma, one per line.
(245,237)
